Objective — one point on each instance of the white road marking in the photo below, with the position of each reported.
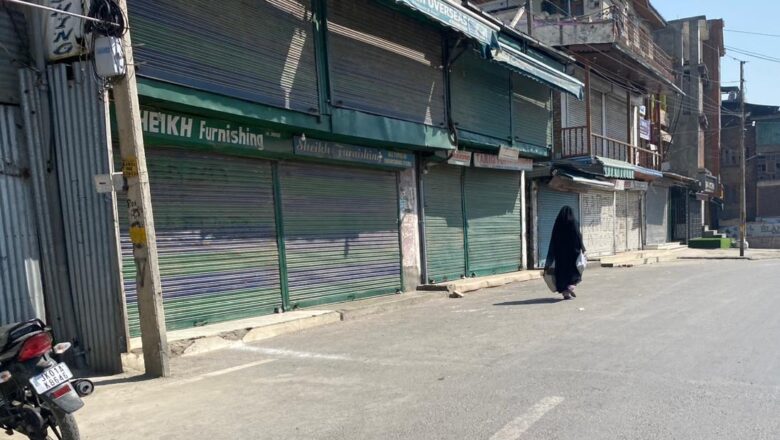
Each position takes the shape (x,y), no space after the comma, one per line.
(292,353)
(220,372)
(514,429)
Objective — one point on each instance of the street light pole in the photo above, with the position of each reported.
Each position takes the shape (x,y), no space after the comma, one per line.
(742,167)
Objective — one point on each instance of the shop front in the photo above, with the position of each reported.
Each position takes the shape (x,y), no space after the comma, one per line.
(251,221)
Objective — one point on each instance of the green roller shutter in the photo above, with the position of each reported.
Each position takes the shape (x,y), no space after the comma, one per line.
(444,225)
(341,232)
(493,221)
(531,112)
(261,51)
(480,96)
(548,204)
(216,239)
(384,62)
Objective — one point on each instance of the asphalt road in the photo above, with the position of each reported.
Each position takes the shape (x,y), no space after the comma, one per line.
(686,350)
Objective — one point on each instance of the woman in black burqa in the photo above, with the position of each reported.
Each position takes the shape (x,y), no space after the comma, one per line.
(565,247)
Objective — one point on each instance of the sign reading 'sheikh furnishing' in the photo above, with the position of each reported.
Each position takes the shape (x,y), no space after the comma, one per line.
(351,153)
(210,131)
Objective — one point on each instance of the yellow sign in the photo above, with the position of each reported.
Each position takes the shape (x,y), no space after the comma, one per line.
(138,235)
(130,167)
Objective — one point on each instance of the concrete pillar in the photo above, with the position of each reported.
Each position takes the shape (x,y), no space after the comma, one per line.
(410,235)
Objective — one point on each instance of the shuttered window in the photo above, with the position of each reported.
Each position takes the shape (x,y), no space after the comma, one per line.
(384,62)
(216,239)
(444,225)
(617,118)
(597,112)
(480,96)
(531,112)
(262,51)
(341,232)
(494,222)
(575,112)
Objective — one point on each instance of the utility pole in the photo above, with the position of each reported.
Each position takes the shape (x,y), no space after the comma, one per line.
(139,206)
(743,189)
(529,13)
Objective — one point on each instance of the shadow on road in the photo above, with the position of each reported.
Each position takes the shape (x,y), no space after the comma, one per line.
(527,302)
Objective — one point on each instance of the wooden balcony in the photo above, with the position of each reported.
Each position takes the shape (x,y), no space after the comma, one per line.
(578,142)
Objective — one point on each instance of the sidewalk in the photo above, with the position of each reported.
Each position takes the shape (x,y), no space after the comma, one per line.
(729,254)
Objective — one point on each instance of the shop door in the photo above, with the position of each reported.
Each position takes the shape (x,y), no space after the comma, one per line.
(695,216)
(657,215)
(444,223)
(493,209)
(341,232)
(621,221)
(549,203)
(679,216)
(598,222)
(216,239)
(634,220)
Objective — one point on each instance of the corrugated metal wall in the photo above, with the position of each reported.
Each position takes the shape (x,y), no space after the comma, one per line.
(59,301)
(21,290)
(83,150)
(13,34)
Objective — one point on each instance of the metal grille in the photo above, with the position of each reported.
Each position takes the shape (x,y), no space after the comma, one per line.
(598,222)
(532,112)
(549,203)
(216,239)
(384,62)
(444,223)
(493,221)
(262,51)
(341,232)
(480,96)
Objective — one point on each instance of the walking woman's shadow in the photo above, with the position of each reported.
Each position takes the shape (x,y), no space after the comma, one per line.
(528,302)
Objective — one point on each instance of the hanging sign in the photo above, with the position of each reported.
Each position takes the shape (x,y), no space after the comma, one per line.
(509,153)
(482,160)
(460,158)
(645,128)
(304,146)
(63,33)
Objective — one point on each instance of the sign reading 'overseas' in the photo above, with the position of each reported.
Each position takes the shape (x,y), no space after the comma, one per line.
(351,153)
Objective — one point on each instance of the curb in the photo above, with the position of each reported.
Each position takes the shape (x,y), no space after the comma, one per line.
(472,284)
(382,305)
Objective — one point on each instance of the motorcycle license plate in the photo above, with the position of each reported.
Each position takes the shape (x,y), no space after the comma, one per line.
(50,378)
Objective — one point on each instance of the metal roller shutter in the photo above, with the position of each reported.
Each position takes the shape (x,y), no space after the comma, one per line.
(597,111)
(196,43)
(216,239)
(617,118)
(621,221)
(598,222)
(549,203)
(480,96)
(575,112)
(444,223)
(384,62)
(679,207)
(493,221)
(531,112)
(657,215)
(341,232)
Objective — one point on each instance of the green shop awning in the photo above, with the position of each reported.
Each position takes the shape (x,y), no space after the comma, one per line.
(616,169)
(457,17)
(537,70)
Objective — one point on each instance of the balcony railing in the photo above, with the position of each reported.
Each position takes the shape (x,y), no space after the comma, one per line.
(574,143)
(636,39)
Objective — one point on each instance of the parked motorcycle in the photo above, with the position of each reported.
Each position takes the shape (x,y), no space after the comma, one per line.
(38,393)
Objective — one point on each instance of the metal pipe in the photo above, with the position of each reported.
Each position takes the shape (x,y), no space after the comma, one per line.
(421,220)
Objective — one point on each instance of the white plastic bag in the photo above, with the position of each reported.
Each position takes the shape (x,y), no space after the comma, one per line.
(582,262)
